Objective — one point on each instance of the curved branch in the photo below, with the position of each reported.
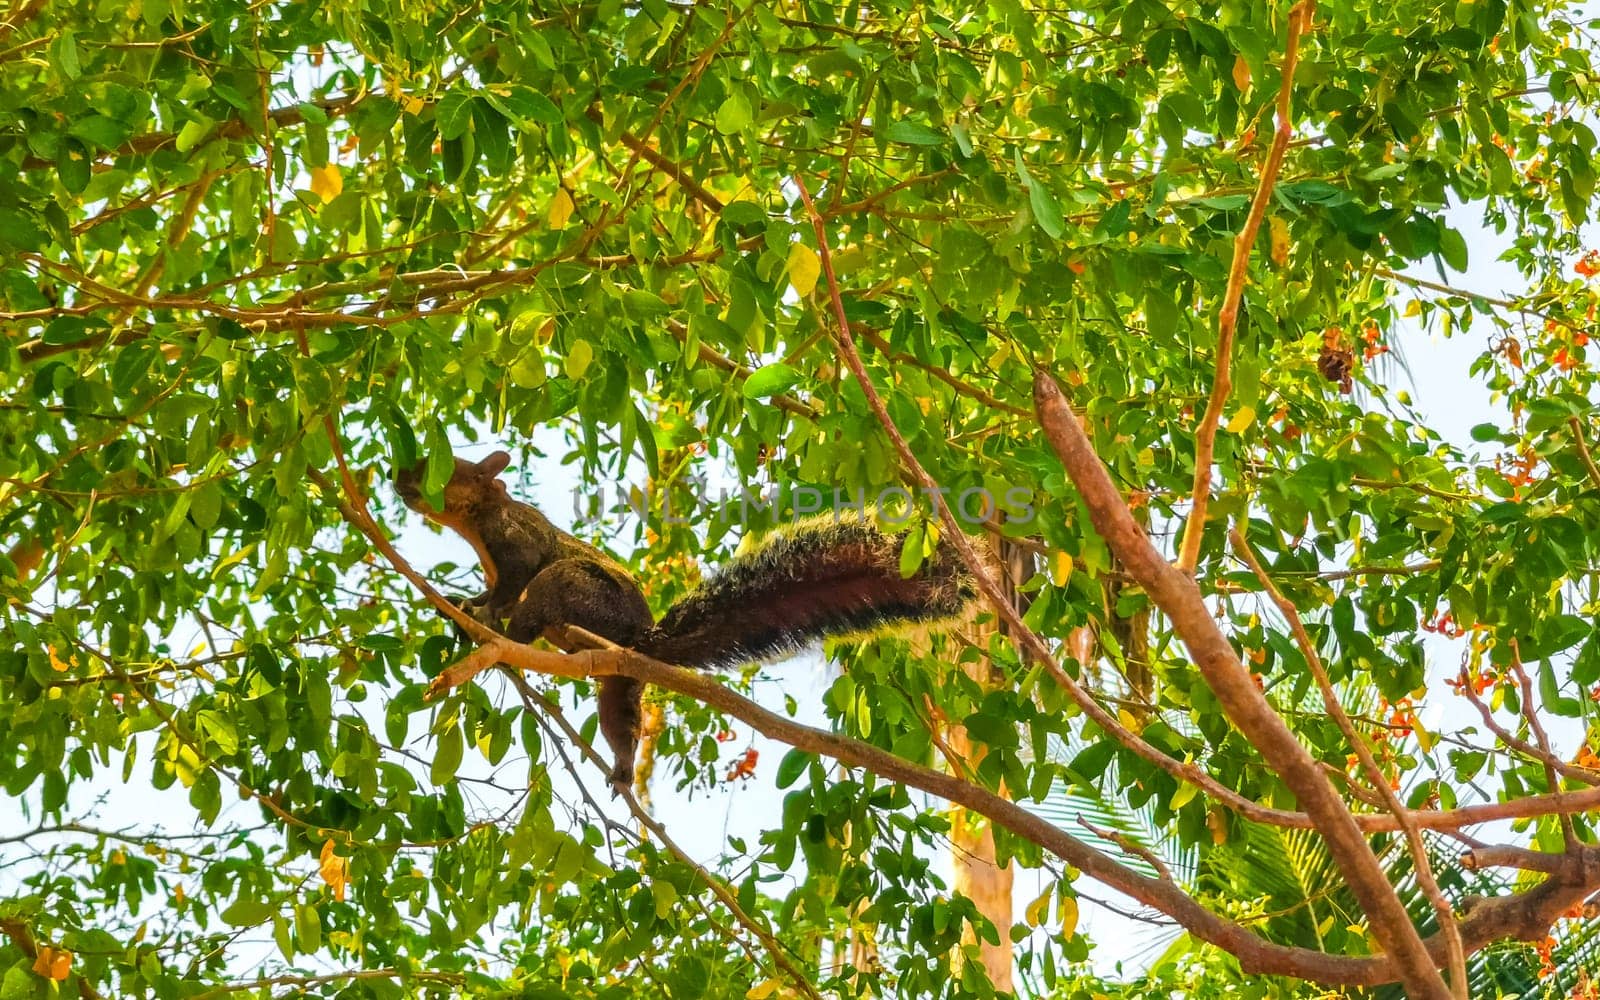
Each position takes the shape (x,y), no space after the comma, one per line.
(1525,916)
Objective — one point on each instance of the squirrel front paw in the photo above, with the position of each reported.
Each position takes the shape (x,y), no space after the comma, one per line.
(475,608)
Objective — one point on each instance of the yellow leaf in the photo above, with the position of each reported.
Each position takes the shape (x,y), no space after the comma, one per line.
(1181,797)
(327,182)
(561,207)
(177,894)
(1034,912)
(1128,719)
(579,356)
(1241,74)
(53,963)
(334,870)
(804,267)
(57,663)
(1060,568)
(1218,822)
(1413,308)
(1244,418)
(412,105)
(1278,230)
(1068,912)
(1425,739)
(761,990)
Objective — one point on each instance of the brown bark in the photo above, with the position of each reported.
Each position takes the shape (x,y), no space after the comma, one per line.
(1526,916)
(1177,595)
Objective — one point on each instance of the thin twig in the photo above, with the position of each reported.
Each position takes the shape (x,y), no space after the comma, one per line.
(1583,451)
(1205,439)
(1568,835)
(1522,746)
(1481,298)
(1132,846)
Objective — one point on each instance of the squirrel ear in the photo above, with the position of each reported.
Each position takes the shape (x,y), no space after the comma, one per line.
(495,463)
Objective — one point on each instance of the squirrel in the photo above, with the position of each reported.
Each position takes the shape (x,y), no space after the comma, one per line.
(827,577)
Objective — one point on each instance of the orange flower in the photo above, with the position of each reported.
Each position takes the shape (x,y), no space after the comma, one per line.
(745,766)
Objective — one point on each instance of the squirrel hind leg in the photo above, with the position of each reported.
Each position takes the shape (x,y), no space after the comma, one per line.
(621,699)
(575,592)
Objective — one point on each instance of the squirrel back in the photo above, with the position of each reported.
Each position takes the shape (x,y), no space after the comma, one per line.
(822,578)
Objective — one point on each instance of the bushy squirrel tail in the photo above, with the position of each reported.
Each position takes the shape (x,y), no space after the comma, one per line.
(822,578)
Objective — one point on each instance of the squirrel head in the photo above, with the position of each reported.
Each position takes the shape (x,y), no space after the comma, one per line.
(472,487)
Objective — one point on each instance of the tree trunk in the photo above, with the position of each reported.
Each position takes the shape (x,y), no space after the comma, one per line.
(978,875)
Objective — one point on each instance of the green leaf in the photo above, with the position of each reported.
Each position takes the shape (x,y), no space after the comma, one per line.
(18,982)
(307,928)
(280,937)
(525,106)
(447,758)
(1046,210)
(192,133)
(792,766)
(206,506)
(100,131)
(453,114)
(64,55)
(1453,247)
(911,134)
(247,910)
(913,550)
(771,380)
(734,115)
(72,166)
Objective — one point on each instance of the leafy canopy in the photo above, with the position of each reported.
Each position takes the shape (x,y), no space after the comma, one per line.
(237,235)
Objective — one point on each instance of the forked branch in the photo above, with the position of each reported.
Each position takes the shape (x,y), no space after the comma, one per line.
(1176,594)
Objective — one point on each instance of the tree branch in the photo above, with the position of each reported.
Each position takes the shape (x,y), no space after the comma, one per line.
(1568,835)
(1030,641)
(1525,916)
(1205,439)
(1174,591)
(1529,750)
(1583,451)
